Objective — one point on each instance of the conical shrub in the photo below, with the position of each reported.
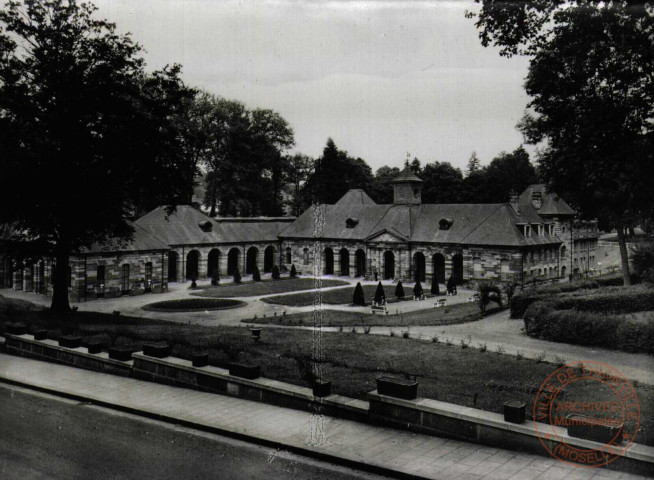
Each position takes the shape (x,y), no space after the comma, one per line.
(399,290)
(358,298)
(379,293)
(275,272)
(417,290)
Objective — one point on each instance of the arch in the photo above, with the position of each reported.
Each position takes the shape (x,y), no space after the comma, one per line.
(232,261)
(345,261)
(268,259)
(289,255)
(563,250)
(251,260)
(457,268)
(124,277)
(213,262)
(389,265)
(172,266)
(329,261)
(438,265)
(419,267)
(192,265)
(360,263)
(563,269)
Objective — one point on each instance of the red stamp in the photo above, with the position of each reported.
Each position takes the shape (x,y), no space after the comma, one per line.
(591,401)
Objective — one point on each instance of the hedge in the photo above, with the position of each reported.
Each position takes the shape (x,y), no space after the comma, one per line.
(616,332)
(639,298)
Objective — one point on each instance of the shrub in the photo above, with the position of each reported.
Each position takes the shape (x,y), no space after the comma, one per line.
(488,292)
(215,278)
(379,293)
(642,259)
(405,334)
(435,289)
(237,276)
(256,275)
(293,271)
(451,284)
(275,272)
(358,296)
(417,290)
(509,289)
(399,290)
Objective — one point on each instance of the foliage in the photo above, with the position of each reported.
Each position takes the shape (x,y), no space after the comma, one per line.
(215,278)
(451,283)
(379,293)
(435,288)
(237,276)
(642,258)
(293,272)
(358,298)
(256,275)
(399,290)
(189,304)
(488,292)
(417,290)
(509,289)
(275,272)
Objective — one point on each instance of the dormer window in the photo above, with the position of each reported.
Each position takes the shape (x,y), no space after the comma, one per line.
(205,225)
(527,231)
(536,200)
(541,230)
(445,223)
(550,230)
(351,222)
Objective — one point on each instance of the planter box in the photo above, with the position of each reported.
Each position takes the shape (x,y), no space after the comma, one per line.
(70,341)
(322,388)
(120,353)
(244,370)
(397,387)
(40,334)
(94,346)
(16,328)
(514,411)
(157,350)
(582,426)
(200,359)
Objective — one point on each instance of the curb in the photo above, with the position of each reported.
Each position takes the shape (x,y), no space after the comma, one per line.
(306,452)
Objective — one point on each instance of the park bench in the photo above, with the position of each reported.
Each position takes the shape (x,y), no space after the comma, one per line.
(442,302)
(377,308)
(473,298)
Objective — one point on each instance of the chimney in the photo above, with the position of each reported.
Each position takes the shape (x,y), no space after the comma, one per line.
(513,200)
(536,200)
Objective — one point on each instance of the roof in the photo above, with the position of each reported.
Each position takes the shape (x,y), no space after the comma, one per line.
(551,203)
(355,196)
(141,241)
(188,226)
(406,176)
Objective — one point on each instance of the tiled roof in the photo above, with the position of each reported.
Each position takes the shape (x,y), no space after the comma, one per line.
(406,176)
(356,196)
(141,241)
(551,203)
(183,227)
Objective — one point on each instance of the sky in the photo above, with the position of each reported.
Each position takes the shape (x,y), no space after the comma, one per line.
(383,78)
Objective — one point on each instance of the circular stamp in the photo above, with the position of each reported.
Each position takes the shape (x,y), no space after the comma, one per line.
(591,401)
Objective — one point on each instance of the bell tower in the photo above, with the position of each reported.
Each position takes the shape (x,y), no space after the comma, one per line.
(407,188)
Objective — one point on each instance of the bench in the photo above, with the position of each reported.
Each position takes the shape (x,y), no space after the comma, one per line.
(442,302)
(377,308)
(473,298)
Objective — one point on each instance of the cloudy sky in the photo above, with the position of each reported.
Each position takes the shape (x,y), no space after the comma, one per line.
(382,78)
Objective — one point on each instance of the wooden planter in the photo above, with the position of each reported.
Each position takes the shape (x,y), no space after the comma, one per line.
(244,370)
(94,346)
(397,387)
(582,426)
(120,353)
(16,328)
(322,388)
(514,411)
(40,334)
(70,341)
(200,359)
(157,350)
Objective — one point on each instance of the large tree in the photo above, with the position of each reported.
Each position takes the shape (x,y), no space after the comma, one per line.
(443,183)
(591,83)
(74,129)
(508,172)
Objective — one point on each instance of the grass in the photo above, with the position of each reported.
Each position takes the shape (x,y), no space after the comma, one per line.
(193,304)
(267,287)
(337,297)
(458,313)
(449,373)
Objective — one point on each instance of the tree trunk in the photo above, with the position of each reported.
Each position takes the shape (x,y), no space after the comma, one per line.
(624,256)
(214,191)
(60,286)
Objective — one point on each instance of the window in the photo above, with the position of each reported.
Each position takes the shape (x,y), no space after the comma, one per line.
(289,258)
(124,278)
(541,230)
(306,256)
(551,230)
(148,276)
(527,230)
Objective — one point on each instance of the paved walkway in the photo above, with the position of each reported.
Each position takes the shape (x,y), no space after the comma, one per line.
(393,450)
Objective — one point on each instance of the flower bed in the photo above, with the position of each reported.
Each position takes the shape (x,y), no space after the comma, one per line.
(194,305)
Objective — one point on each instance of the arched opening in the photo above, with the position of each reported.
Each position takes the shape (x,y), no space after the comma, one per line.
(389,265)
(419,267)
(192,265)
(361,263)
(345,262)
(289,255)
(563,250)
(268,259)
(213,263)
(124,278)
(232,261)
(172,266)
(457,268)
(329,261)
(251,260)
(563,271)
(438,264)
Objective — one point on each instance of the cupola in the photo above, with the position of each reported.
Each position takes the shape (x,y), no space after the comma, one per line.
(407,188)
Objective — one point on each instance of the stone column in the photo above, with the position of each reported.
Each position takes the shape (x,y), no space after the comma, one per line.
(353,263)
(222,264)
(181,266)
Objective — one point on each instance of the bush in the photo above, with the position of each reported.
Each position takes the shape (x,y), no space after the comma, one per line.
(275,272)
(488,292)
(435,289)
(451,284)
(237,276)
(358,297)
(637,298)
(399,290)
(215,278)
(417,289)
(293,271)
(509,289)
(256,275)
(642,259)
(379,293)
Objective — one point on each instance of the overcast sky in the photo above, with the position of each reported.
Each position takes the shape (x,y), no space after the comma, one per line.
(382,78)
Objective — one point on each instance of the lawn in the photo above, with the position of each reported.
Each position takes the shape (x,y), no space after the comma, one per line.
(336,297)
(464,376)
(266,287)
(459,313)
(193,305)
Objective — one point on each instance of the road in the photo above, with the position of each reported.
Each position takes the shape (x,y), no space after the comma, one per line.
(43,436)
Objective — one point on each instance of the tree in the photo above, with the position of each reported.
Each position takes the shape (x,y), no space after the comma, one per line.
(275,272)
(443,183)
(237,276)
(256,275)
(79,132)
(293,272)
(399,290)
(417,290)
(382,189)
(642,258)
(379,293)
(358,296)
(509,289)
(591,87)
(509,172)
(488,292)
(299,167)
(435,289)
(474,163)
